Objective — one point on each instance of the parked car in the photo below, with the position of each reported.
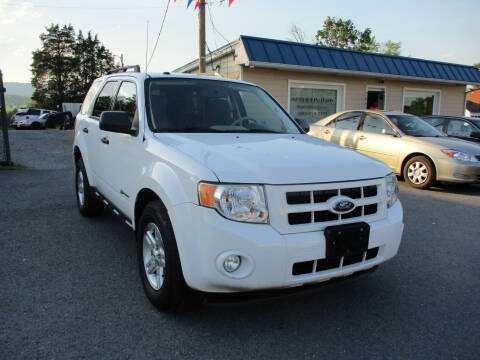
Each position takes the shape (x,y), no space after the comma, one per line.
(465,128)
(31,118)
(225,191)
(406,143)
(59,120)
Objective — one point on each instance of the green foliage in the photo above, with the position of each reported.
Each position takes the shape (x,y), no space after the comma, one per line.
(66,65)
(391,47)
(477,65)
(344,34)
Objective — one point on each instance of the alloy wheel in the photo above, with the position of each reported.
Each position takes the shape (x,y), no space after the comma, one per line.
(417,173)
(80,188)
(153,256)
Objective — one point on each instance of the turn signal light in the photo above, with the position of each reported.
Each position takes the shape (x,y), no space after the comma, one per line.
(207,194)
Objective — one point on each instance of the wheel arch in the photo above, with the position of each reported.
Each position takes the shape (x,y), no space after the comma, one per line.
(144,196)
(412,155)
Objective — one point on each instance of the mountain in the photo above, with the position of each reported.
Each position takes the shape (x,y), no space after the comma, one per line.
(21,89)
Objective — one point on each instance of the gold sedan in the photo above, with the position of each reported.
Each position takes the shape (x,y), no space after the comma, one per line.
(406,143)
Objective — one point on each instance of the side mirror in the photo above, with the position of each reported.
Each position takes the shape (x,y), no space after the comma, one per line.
(475,134)
(303,124)
(389,132)
(115,121)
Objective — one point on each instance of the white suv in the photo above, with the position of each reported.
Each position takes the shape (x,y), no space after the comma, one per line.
(224,190)
(31,118)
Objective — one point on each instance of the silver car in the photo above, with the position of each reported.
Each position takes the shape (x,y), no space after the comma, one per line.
(406,143)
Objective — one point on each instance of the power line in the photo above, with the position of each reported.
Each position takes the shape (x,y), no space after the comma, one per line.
(215,28)
(83,7)
(158,36)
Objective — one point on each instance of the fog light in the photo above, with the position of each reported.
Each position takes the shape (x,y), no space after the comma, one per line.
(231,263)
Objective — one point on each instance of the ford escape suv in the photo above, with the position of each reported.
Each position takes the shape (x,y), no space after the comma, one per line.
(224,190)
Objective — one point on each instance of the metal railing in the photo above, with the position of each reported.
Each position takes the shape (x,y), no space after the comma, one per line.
(5,157)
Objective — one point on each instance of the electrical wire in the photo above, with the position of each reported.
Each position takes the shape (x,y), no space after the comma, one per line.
(158,36)
(215,28)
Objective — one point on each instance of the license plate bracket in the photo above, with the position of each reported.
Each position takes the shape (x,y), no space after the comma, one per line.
(346,240)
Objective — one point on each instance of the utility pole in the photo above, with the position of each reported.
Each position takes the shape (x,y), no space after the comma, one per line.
(201,37)
(3,117)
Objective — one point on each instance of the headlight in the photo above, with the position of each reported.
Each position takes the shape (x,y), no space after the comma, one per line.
(235,202)
(458,155)
(392,189)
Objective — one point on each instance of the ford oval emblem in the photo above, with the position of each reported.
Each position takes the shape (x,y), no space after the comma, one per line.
(343,206)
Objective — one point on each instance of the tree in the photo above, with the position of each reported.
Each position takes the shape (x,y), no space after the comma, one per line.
(477,65)
(52,66)
(93,61)
(297,33)
(391,47)
(344,34)
(66,65)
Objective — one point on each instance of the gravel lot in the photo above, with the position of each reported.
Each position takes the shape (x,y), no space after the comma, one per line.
(70,286)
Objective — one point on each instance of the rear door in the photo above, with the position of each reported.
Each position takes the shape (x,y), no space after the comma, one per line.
(96,149)
(345,129)
(373,142)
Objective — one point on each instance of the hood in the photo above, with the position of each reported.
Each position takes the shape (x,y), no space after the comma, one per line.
(274,158)
(447,142)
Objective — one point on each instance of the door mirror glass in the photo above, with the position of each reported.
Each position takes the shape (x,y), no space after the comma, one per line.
(115,121)
(303,124)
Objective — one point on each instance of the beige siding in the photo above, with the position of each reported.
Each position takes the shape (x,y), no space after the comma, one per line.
(225,66)
(452,100)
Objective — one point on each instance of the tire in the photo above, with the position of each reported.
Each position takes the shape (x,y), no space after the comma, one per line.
(419,172)
(88,204)
(158,259)
(36,126)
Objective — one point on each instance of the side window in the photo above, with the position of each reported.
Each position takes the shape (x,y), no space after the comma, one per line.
(459,128)
(348,121)
(90,96)
(104,99)
(33,112)
(436,123)
(375,124)
(127,99)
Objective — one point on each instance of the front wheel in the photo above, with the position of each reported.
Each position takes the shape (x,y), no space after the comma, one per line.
(87,203)
(159,262)
(419,172)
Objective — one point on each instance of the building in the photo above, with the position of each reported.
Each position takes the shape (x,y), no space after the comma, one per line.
(314,81)
(473,102)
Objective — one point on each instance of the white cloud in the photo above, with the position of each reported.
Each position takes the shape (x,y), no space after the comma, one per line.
(19,52)
(17,13)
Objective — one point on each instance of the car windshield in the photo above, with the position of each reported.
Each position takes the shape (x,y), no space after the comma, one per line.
(200,105)
(414,126)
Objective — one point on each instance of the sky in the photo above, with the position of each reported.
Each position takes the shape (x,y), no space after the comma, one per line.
(438,30)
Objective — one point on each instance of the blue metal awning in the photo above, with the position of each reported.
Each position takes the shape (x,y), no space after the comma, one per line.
(287,53)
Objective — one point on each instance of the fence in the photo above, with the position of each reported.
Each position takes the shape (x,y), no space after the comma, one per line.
(5,158)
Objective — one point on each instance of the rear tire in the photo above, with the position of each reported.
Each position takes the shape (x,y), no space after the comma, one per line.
(36,126)
(419,172)
(158,259)
(88,204)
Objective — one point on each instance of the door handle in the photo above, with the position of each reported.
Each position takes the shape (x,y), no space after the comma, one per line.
(361,137)
(326,131)
(105,140)
(85,130)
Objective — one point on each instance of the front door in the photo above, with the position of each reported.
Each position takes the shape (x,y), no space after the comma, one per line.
(376,140)
(346,129)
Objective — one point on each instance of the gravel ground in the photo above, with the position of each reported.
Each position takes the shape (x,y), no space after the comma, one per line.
(70,286)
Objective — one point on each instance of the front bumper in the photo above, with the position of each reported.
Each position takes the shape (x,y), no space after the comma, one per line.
(451,170)
(204,238)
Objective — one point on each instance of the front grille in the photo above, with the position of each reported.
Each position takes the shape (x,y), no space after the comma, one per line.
(322,196)
(315,266)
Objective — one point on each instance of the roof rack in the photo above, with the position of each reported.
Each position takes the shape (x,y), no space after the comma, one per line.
(136,68)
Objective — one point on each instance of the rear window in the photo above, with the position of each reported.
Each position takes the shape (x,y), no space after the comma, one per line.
(33,112)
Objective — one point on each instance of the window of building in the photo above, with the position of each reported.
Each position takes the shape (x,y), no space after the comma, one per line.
(375,98)
(313,101)
(421,102)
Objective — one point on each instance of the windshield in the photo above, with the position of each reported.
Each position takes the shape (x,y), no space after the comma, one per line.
(199,105)
(414,126)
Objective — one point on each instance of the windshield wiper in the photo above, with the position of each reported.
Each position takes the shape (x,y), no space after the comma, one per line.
(190,130)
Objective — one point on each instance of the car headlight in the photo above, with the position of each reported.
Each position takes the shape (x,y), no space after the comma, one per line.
(244,203)
(392,189)
(458,155)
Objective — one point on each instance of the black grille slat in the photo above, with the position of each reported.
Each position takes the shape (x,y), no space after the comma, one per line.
(323,195)
(371,253)
(369,191)
(353,193)
(304,267)
(327,264)
(300,218)
(357,212)
(298,197)
(371,209)
(322,216)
